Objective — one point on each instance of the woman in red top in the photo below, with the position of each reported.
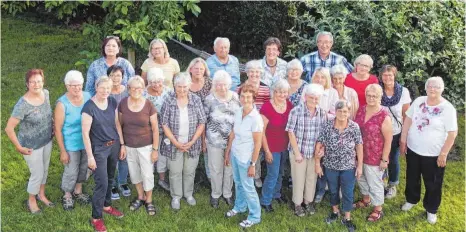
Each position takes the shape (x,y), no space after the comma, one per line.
(275,142)
(376,129)
(360,78)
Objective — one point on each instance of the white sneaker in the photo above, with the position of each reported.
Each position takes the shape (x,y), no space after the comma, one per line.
(191,201)
(431,218)
(246,224)
(391,192)
(175,204)
(407,206)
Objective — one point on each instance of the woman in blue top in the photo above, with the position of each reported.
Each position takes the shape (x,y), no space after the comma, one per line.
(111,55)
(33,114)
(69,139)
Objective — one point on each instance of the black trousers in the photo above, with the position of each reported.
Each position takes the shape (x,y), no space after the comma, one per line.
(432,176)
(106,158)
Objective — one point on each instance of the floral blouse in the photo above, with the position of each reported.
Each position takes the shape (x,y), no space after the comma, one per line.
(340,148)
(295,97)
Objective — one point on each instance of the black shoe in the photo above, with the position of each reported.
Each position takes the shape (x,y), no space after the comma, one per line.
(299,211)
(310,209)
(214,202)
(332,217)
(349,224)
(229,201)
(281,200)
(267,208)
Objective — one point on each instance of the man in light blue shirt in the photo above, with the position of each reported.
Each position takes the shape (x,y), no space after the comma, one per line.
(221,60)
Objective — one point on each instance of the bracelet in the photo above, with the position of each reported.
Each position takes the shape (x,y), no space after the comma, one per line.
(90,158)
(122,144)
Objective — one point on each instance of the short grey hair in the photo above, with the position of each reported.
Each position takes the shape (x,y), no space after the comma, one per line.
(437,80)
(342,104)
(73,75)
(281,84)
(155,74)
(222,76)
(324,33)
(136,80)
(374,88)
(339,69)
(294,64)
(364,57)
(254,64)
(221,39)
(182,78)
(313,90)
(102,79)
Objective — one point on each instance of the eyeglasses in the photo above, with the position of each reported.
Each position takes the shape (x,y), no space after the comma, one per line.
(371,96)
(35,82)
(136,88)
(364,65)
(155,82)
(76,86)
(433,87)
(326,42)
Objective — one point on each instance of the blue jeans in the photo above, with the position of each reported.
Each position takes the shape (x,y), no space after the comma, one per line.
(273,180)
(122,177)
(394,163)
(344,179)
(321,183)
(246,195)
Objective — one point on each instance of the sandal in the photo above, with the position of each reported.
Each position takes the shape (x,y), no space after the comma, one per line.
(375,215)
(135,205)
(361,204)
(150,208)
(29,208)
(50,204)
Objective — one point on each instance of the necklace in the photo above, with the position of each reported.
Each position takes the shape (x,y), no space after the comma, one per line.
(279,106)
(271,66)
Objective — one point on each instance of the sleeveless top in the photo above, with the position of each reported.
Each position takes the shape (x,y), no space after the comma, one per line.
(372,136)
(71,130)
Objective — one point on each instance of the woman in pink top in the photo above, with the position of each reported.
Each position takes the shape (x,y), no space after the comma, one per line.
(376,130)
(275,142)
(360,78)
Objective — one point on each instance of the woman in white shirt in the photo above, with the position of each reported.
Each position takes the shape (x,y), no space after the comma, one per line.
(396,99)
(429,132)
(330,97)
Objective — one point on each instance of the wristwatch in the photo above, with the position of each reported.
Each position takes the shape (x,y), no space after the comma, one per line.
(155,149)
(385,161)
(253,164)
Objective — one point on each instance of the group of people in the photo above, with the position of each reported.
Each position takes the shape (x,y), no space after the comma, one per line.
(327,122)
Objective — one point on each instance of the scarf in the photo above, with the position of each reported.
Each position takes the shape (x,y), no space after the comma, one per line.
(395,99)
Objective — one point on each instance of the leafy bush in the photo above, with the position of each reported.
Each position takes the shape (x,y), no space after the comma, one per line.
(422,39)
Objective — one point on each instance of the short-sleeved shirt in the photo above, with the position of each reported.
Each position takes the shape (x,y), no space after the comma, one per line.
(35,126)
(372,136)
(231,67)
(277,137)
(328,100)
(312,61)
(295,98)
(205,90)
(430,126)
(243,143)
(136,127)
(351,96)
(340,148)
(280,72)
(220,119)
(72,130)
(170,69)
(262,96)
(157,101)
(360,86)
(170,116)
(306,128)
(103,127)
(396,111)
(99,68)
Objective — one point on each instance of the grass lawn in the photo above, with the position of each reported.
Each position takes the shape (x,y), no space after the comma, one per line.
(26,45)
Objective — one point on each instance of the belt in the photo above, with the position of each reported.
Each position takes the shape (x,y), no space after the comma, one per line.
(109,143)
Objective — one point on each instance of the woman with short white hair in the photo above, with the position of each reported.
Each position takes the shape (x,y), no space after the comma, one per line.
(183,122)
(220,107)
(361,77)
(274,114)
(68,132)
(156,92)
(339,73)
(429,132)
(294,70)
(303,127)
(138,119)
